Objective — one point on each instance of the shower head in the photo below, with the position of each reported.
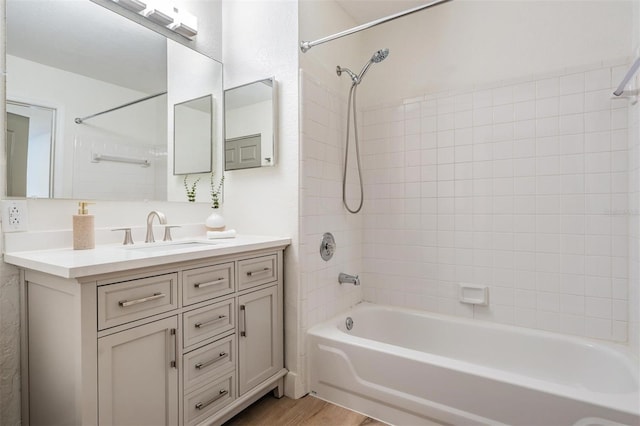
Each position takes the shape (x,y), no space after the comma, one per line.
(377,57)
(380,55)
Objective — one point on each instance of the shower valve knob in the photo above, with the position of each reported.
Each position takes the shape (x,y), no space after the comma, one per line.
(327,246)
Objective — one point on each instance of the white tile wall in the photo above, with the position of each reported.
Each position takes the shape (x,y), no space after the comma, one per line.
(323,115)
(125,181)
(522,187)
(619,290)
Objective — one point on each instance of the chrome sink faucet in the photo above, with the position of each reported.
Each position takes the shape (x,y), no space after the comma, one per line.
(162,219)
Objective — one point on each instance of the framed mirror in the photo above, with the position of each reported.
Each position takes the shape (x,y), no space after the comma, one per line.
(113,97)
(249,126)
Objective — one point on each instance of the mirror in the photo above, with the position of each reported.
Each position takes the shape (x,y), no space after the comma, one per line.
(29,149)
(250,130)
(113,99)
(192,125)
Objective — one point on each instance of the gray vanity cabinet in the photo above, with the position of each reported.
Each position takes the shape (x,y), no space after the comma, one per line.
(186,343)
(138,375)
(259,354)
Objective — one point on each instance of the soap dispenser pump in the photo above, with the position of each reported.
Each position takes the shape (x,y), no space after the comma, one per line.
(83,228)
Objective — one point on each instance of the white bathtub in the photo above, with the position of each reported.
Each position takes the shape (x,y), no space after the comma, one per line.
(408,367)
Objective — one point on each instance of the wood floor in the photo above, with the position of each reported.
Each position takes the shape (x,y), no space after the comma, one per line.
(307,411)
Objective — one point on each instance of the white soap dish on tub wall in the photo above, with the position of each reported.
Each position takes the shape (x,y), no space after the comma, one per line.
(474,294)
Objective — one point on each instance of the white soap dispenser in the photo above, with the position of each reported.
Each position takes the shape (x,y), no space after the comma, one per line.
(83,228)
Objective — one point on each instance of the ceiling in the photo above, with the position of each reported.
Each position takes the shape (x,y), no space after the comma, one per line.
(363,11)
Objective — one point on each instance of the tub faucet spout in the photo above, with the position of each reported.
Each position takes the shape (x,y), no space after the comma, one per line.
(161,218)
(346,278)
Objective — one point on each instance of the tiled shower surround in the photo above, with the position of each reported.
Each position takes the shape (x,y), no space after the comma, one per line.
(323,114)
(521,186)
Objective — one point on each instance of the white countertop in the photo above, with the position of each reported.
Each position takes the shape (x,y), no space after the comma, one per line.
(69,263)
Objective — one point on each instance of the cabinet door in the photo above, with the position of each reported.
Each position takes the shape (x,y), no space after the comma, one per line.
(138,376)
(260,339)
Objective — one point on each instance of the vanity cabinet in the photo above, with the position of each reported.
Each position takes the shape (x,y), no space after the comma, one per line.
(259,348)
(138,375)
(186,343)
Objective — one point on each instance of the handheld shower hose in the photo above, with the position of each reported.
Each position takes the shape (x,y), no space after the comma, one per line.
(377,57)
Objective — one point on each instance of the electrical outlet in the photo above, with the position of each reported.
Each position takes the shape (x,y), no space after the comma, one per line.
(14,215)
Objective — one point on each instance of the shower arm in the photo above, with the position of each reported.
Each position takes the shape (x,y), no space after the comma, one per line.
(306,45)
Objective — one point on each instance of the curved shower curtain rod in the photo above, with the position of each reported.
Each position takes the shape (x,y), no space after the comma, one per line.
(306,45)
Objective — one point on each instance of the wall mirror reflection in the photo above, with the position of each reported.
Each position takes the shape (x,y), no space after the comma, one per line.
(250,125)
(121,87)
(30,143)
(192,128)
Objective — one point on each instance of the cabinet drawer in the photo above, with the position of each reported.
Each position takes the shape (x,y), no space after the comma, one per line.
(208,322)
(260,270)
(210,361)
(205,401)
(201,284)
(131,300)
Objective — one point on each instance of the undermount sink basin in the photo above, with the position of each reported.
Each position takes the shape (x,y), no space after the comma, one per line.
(170,246)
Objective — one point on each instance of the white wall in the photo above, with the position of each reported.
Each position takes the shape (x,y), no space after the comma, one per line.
(208,40)
(467,42)
(634,200)
(521,187)
(260,41)
(496,157)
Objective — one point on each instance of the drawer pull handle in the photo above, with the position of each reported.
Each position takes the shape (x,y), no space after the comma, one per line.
(202,365)
(209,283)
(252,273)
(206,323)
(125,303)
(202,405)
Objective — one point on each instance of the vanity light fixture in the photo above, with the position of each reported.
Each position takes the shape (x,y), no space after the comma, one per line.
(183,29)
(160,15)
(135,5)
(164,14)
(186,24)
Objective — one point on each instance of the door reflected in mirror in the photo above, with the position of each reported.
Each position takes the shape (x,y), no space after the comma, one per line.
(29,146)
(250,130)
(192,136)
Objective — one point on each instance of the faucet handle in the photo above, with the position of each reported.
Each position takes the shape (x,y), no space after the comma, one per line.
(167,232)
(127,235)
